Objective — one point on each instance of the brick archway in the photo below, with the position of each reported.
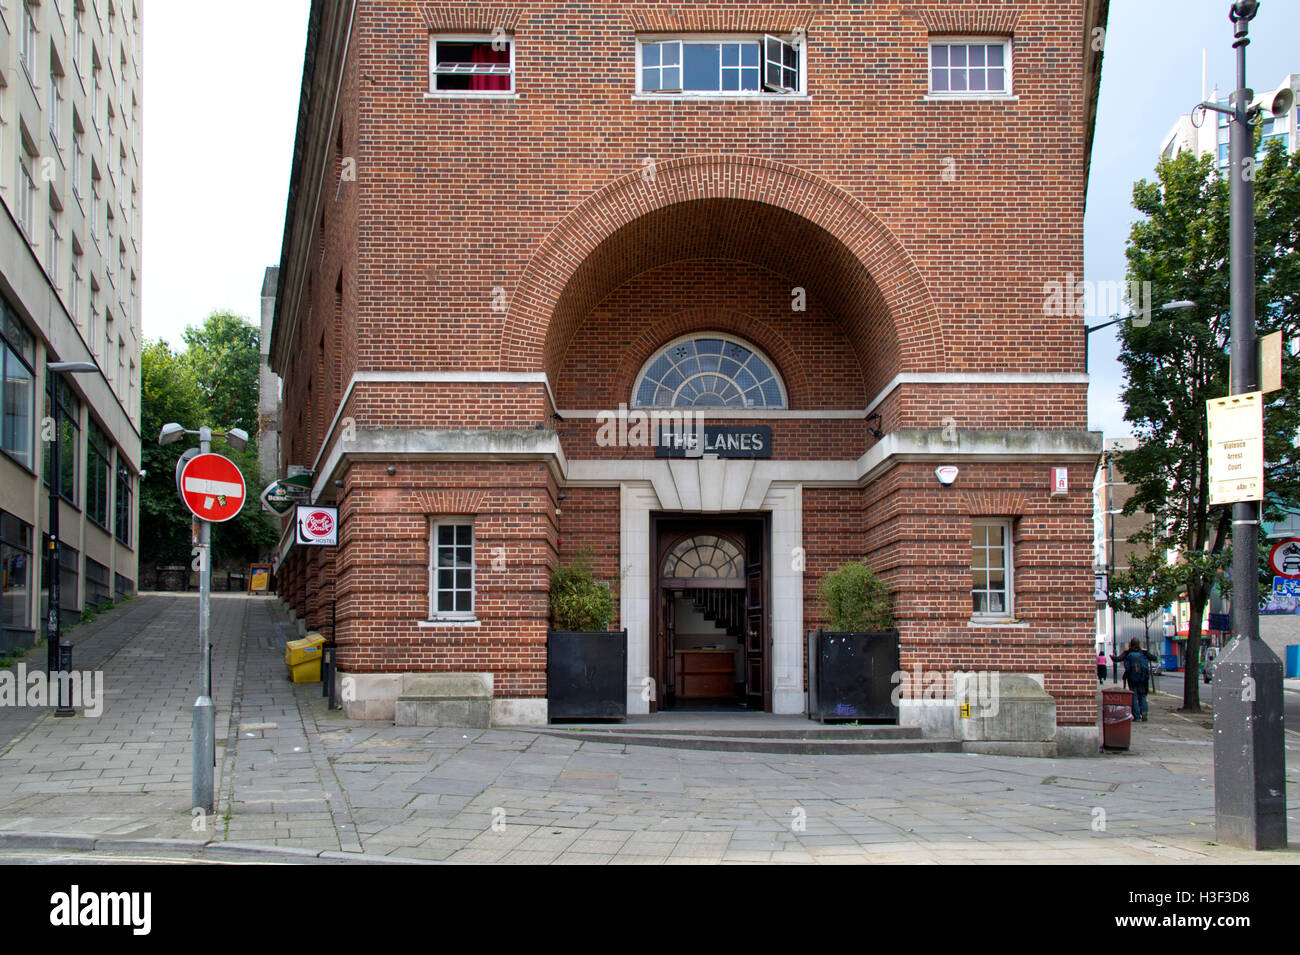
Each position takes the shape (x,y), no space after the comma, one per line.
(535,334)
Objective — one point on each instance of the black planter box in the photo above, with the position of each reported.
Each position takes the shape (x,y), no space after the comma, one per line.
(586,675)
(851,676)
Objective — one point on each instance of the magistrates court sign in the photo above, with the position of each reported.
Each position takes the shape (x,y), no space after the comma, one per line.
(1236,432)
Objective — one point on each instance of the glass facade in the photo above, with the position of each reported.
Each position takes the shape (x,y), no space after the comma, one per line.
(17,356)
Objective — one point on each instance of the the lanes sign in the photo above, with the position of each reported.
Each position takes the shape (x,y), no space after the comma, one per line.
(212,487)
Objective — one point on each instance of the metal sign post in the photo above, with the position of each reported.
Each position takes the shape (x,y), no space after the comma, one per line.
(203,767)
(1249,747)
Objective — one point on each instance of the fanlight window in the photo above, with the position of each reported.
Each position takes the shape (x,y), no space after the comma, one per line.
(705,556)
(708,371)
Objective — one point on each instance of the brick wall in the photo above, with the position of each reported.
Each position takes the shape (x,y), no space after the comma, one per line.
(575,229)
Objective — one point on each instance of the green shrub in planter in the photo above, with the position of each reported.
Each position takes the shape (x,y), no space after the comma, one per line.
(579,602)
(856,600)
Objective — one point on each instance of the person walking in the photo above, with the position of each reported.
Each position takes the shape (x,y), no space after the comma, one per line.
(1137,675)
(1101,665)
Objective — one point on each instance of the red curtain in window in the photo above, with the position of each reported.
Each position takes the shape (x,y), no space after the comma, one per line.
(483,53)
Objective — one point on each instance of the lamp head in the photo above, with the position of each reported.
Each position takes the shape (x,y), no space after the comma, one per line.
(73,367)
(1182,305)
(237,438)
(170,432)
(1243,10)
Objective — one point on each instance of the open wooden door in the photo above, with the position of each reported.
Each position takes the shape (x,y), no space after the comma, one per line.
(665,687)
(757,691)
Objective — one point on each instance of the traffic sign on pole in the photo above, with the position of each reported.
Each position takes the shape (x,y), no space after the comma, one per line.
(212,487)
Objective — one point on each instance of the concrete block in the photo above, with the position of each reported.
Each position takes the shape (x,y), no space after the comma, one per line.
(445,699)
(1078,740)
(526,712)
(937,719)
(1017,709)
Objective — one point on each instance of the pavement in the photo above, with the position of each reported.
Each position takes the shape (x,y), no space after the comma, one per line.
(299,783)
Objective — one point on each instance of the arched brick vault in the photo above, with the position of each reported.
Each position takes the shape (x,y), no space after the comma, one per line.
(739,207)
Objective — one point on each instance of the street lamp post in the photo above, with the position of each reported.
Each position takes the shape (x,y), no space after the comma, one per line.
(204,716)
(1180,305)
(1249,748)
(52,621)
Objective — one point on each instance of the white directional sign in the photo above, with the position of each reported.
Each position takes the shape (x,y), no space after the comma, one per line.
(1236,432)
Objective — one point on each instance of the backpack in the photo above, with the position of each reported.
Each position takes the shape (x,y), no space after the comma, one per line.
(1136,668)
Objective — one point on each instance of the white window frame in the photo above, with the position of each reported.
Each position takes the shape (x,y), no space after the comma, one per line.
(1008,548)
(26,193)
(454,615)
(27,42)
(799,41)
(55,110)
(52,239)
(1008,66)
(434,92)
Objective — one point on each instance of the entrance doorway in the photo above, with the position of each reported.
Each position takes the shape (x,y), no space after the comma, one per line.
(710,632)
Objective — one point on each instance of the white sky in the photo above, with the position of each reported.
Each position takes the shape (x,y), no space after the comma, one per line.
(220,109)
(221,85)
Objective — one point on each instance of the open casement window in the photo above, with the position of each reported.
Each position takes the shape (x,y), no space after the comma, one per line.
(718,66)
(451,569)
(780,65)
(471,65)
(992,595)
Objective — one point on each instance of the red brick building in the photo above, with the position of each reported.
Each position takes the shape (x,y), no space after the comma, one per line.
(826,227)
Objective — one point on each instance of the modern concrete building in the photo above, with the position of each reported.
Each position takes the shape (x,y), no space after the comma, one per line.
(70,100)
(1211,136)
(826,229)
(268,386)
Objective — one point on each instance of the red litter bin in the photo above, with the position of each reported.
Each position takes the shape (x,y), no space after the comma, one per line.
(1116,715)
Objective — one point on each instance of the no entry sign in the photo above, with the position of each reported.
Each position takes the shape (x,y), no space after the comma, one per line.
(212,487)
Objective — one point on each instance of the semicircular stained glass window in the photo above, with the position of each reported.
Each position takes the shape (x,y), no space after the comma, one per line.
(708,371)
(705,556)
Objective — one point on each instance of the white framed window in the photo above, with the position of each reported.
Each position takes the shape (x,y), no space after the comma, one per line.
(26,192)
(94,206)
(451,568)
(78,8)
(76,165)
(52,240)
(74,287)
(472,65)
(966,67)
(723,66)
(55,108)
(992,570)
(27,41)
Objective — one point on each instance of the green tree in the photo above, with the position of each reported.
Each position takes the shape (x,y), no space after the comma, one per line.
(168,392)
(173,391)
(1175,362)
(223,356)
(1148,584)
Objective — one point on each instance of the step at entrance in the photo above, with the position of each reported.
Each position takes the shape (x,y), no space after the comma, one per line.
(753,733)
